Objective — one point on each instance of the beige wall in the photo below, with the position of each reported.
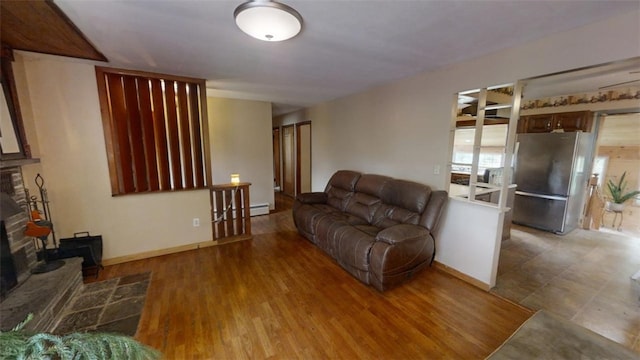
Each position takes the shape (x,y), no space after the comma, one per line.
(241,142)
(403,129)
(64,126)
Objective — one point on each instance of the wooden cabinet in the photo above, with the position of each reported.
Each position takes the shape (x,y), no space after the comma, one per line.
(574,121)
(538,123)
(569,122)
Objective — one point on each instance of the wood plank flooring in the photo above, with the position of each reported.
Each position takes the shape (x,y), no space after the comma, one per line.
(277,296)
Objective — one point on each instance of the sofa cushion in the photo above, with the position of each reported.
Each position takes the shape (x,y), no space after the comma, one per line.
(402,203)
(305,217)
(344,179)
(363,206)
(352,246)
(389,215)
(338,198)
(366,199)
(325,226)
(406,194)
(340,188)
(372,184)
(369,229)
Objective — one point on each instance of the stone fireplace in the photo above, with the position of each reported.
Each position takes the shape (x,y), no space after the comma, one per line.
(22,248)
(43,295)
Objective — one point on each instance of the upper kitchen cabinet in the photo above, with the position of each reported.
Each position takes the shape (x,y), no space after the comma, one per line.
(567,121)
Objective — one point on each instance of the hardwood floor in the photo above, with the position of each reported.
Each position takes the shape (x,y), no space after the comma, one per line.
(278,296)
(282,202)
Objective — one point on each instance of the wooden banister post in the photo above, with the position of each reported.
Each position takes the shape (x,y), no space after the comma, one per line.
(230,212)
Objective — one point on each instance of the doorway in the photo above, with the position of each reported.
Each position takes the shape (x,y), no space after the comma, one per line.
(277,181)
(303,157)
(288,163)
(585,276)
(618,154)
(292,158)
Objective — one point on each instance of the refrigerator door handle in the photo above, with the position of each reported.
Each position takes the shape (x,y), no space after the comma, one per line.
(550,197)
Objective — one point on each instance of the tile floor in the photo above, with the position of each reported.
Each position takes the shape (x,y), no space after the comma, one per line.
(113,305)
(584,276)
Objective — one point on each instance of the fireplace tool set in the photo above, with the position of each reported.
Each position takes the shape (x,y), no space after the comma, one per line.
(82,244)
(40,227)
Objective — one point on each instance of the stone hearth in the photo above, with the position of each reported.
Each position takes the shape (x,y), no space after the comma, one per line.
(44,295)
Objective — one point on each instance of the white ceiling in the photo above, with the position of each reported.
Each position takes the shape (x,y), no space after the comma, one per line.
(345,46)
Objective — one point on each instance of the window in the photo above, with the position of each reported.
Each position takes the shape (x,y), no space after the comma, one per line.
(483,132)
(155,130)
(13,140)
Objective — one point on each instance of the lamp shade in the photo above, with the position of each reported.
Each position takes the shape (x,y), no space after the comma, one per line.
(235,178)
(268,20)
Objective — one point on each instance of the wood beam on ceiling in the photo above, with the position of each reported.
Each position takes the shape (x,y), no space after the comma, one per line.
(40,26)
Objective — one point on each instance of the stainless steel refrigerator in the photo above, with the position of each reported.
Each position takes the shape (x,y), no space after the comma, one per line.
(551,173)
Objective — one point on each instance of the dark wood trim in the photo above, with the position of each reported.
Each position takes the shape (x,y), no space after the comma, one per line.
(284,161)
(148,135)
(151,116)
(277,156)
(150,75)
(41,26)
(135,133)
(472,123)
(174,137)
(121,148)
(298,153)
(13,103)
(194,111)
(204,116)
(160,132)
(107,128)
(185,135)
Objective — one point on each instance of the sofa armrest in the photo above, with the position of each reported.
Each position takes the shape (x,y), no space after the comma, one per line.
(401,233)
(312,198)
(399,252)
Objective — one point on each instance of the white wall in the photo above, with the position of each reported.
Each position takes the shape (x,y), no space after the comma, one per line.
(241,143)
(403,129)
(64,126)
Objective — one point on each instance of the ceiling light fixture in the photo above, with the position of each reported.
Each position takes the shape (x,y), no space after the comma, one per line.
(268,20)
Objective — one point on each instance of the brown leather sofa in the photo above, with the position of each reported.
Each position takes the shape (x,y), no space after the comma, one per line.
(377,228)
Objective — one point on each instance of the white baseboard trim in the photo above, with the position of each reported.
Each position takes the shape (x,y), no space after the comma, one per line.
(259,209)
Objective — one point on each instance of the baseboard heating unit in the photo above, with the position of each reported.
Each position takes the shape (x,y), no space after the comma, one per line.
(259,209)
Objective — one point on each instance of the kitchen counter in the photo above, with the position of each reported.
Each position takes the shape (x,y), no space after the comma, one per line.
(490,195)
(463,190)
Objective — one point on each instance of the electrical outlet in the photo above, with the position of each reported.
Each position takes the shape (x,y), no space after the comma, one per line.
(196,222)
(436,170)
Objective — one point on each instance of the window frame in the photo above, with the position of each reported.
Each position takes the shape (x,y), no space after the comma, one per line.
(176,142)
(479,124)
(10,91)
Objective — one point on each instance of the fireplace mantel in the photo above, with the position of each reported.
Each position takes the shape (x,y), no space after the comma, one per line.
(18,162)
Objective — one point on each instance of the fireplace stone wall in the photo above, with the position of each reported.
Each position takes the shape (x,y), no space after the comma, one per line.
(22,247)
